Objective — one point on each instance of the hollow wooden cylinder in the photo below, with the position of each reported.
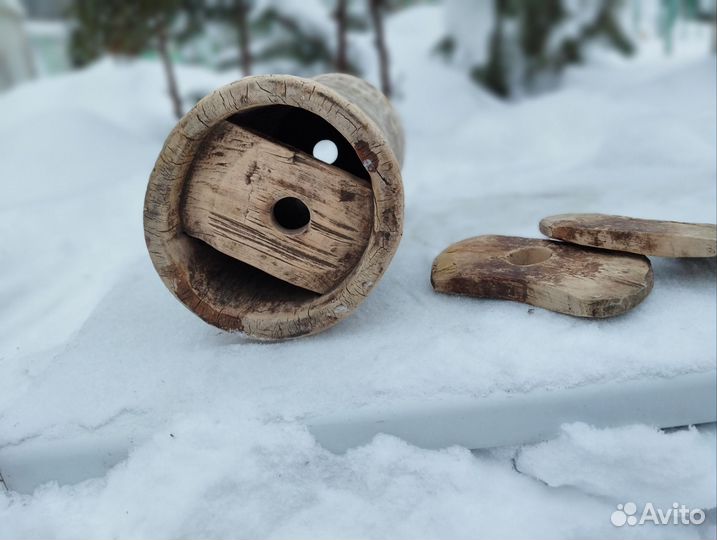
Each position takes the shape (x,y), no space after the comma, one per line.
(212,216)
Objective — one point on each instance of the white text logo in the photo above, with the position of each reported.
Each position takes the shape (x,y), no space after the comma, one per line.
(678,514)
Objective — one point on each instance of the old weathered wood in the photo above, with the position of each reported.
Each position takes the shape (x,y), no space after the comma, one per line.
(642,236)
(554,275)
(238,177)
(217,279)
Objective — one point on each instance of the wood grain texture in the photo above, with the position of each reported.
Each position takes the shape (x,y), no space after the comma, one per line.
(642,236)
(553,275)
(230,195)
(232,294)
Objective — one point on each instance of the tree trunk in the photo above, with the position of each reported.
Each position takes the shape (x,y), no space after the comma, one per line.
(341,29)
(172,87)
(244,49)
(376,8)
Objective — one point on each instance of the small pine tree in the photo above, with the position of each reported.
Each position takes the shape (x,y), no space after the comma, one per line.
(532,41)
(377,9)
(304,37)
(341,16)
(301,37)
(236,14)
(127,28)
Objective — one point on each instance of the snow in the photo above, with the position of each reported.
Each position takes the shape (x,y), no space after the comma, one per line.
(470,24)
(242,477)
(579,14)
(93,347)
(310,15)
(245,478)
(622,462)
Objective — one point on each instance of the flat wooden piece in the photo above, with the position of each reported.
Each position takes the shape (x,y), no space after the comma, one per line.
(553,275)
(236,180)
(643,236)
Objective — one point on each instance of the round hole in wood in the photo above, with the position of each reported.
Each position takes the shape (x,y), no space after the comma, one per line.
(291,214)
(302,129)
(326,151)
(529,255)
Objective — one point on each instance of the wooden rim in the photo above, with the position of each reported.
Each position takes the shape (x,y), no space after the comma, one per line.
(174,254)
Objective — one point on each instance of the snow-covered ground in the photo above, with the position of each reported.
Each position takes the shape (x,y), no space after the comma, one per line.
(166,427)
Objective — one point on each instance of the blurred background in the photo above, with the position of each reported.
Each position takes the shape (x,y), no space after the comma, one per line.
(513,48)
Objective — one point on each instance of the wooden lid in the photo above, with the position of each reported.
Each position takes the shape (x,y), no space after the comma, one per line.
(231,169)
(642,236)
(553,275)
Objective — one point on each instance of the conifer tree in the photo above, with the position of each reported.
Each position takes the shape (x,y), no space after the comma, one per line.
(297,36)
(532,41)
(235,13)
(377,9)
(341,17)
(129,28)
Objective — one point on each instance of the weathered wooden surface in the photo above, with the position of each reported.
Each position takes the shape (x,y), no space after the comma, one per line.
(375,104)
(234,295)
(642,236)
(237,179)
(553,275)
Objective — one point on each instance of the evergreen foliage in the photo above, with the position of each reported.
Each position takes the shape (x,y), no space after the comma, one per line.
(130,28)
(531,52)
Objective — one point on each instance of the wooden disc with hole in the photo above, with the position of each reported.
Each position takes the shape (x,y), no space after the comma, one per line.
(251,231)
(553,275)
(642,236)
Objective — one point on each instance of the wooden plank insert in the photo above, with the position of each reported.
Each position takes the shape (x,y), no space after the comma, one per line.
(229,202)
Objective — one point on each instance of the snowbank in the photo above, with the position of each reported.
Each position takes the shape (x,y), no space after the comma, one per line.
(243,477)
(633,463)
